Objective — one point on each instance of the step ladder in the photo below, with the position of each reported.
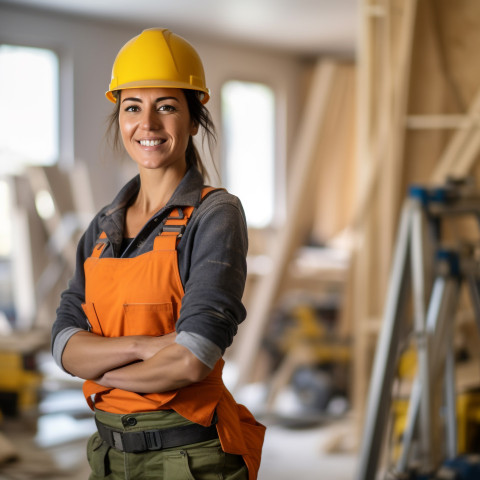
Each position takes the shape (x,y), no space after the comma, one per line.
(428,276)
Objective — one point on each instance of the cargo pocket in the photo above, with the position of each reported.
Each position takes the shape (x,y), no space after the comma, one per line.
(175,467)
(153,319)
(204,463)
(97,456)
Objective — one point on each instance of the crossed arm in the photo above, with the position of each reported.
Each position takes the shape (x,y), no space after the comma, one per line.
(136,363)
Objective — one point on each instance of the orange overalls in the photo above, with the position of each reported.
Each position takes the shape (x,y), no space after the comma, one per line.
(143,296)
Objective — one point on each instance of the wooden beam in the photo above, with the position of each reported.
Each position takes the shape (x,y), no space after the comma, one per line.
(39,183)
(441,121)
(290,236)
(391,193)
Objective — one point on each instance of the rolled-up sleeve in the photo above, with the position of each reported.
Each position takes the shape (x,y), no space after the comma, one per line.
(215,273)
(70,316)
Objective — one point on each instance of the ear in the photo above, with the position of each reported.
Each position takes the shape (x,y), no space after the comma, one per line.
(194,129)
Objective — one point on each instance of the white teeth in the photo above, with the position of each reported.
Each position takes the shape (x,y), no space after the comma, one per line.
(150,143)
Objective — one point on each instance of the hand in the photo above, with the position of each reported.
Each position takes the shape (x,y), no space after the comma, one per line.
(147,347)
(172,367)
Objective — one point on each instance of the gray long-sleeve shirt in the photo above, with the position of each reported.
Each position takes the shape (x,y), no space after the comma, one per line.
(211,259)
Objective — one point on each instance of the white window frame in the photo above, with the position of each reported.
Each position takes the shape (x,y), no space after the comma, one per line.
(22,144)
(244,150)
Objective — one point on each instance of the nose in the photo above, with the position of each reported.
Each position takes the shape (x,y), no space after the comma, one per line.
(150,120)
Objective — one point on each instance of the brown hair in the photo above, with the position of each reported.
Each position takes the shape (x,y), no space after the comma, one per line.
(200,116)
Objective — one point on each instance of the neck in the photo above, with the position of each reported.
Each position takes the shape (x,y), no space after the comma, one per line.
(156,188)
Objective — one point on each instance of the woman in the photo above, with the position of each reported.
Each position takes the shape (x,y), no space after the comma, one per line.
(156,296)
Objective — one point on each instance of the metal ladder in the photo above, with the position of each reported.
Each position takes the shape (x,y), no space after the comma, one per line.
(424,211)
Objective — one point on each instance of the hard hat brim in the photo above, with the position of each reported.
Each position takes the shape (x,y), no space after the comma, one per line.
(204,93)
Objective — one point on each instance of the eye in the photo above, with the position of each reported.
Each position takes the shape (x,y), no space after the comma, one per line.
(166,108)
(132,108)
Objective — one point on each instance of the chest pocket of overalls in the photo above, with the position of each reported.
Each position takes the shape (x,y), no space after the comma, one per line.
(148,319)
(153,319)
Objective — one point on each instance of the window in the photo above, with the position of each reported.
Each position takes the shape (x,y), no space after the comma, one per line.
(248,116)
(29,122)
(29,132)
(29,135)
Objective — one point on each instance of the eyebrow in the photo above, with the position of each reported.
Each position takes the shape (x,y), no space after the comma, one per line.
(159,99)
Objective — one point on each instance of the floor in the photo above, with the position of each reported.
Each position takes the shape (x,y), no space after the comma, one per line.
(50,442)
(303,454)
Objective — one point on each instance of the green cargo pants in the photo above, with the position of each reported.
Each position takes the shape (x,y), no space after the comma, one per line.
(197,461)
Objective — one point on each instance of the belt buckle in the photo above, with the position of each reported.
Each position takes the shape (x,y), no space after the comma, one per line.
(153,439)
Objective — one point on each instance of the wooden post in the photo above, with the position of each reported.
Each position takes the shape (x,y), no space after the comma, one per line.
(384,76)
(391,192)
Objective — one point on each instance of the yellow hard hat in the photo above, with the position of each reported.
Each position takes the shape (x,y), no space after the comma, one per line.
(158,58)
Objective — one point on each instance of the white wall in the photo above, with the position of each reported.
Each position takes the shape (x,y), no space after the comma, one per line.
(87,49)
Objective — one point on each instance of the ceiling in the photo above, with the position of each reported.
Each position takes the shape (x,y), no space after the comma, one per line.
(308,27)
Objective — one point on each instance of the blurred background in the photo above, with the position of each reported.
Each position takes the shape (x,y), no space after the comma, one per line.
(328,112)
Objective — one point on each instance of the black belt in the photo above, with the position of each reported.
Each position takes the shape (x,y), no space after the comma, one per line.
(142,441)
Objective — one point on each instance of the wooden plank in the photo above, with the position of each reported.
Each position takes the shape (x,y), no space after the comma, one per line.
(334,196)
(357,299)
(40,184)
(391,193)
(290,236)
(373,142)
(439,121)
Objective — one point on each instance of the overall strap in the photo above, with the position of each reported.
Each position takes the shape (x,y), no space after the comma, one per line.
(176,223)
(99,245)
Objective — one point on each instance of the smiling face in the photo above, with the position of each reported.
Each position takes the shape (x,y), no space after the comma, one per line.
(155,126)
